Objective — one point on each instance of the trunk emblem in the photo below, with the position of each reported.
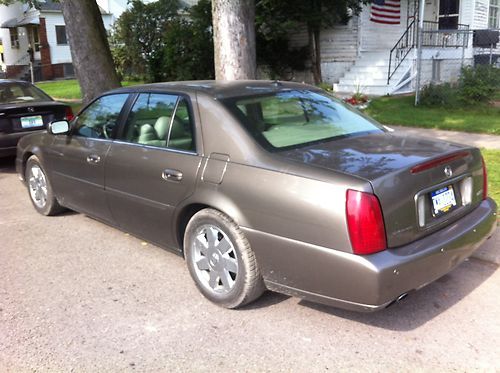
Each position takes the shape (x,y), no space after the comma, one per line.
(31,109)
(448,171)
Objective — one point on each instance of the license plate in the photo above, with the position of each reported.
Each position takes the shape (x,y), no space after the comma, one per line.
(443,200)
(30,122)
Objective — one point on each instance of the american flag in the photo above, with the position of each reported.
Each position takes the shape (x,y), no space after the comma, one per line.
(386,11)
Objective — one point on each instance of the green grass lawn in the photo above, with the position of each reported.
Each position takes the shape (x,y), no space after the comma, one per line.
(400,110)
(69,89)
(492,159)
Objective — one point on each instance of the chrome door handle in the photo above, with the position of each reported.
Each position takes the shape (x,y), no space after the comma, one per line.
(171,175)
(93,159)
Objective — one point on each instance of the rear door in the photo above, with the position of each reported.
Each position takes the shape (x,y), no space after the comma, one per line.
(77,160)
(153,166)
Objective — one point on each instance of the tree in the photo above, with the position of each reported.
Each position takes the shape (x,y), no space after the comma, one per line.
(89,46)
(188,45)
(286,15)
(139,36)
(234,39)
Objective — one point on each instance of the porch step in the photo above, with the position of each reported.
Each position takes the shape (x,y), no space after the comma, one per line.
(369,74)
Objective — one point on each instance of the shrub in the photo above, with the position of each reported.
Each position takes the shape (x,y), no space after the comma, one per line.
(479,83)
(439,95)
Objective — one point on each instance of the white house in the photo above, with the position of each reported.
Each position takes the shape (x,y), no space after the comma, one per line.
(39,35)
(376,52)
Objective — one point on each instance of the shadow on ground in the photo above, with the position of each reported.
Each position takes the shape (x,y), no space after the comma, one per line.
(8,165)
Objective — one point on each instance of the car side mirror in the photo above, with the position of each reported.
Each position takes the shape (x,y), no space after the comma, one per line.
(59,127)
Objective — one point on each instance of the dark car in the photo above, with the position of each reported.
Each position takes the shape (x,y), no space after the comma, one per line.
(267,185)
(23,109)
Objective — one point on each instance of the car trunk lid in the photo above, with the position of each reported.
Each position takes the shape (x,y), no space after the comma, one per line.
(409,175)
(29,116)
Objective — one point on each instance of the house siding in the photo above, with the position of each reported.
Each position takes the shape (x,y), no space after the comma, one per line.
(339,49)
(58,53)
(13,56)
(377,36)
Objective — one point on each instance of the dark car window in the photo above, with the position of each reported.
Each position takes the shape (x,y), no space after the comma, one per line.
(160,120)
(294,118)
(100,117)
(21,92)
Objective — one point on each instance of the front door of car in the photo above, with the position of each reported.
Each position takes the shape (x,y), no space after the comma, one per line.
(153,166)
(78,159)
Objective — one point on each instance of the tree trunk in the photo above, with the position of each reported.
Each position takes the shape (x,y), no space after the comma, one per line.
(234,39)
(89,47)
(315,53)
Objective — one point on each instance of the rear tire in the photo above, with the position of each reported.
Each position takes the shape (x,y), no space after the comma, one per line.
(39,188)
(221,261)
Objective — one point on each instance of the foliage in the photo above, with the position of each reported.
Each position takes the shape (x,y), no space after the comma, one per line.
(158,41)
(276,56)
(189,47)
(275,18)
(492,160)
(479,83)
(138,38)
(401,110)
(439,95)
(326,87)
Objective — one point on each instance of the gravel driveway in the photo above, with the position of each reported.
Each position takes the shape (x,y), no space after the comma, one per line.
(77,295)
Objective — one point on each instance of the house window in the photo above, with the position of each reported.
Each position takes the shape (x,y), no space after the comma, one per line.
(61,35)
(14,38)
(36,39)
(448,14)
(494,17)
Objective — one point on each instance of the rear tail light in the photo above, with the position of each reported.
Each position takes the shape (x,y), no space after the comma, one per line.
(69,114)
(485,179)
(365,223)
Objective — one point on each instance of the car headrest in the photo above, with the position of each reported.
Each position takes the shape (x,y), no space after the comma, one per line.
(161,127)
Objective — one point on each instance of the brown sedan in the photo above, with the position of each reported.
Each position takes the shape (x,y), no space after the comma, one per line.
(267,185)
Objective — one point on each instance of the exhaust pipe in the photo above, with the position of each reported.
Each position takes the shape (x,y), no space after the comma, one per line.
(398,299)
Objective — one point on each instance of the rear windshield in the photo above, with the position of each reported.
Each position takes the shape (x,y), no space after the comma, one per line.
(294,118)
(11,93)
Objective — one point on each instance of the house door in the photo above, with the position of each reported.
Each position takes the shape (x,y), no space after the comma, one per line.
(448,14)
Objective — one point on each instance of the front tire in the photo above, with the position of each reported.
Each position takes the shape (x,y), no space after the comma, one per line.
(220,260)
(40,191)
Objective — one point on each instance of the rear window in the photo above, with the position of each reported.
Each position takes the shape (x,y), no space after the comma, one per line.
(294,118)
(16,93)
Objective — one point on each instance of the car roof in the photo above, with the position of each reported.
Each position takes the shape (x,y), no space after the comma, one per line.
(220,89)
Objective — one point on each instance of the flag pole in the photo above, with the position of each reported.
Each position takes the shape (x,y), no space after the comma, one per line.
(421,12)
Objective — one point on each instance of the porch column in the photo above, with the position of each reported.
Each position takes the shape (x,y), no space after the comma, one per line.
(47,72)
(421,14)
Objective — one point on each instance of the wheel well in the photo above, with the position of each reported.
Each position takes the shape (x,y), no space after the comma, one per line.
(26,156)
(185,215)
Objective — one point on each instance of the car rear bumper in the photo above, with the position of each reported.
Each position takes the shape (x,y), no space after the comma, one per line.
(372,282)
(8,142)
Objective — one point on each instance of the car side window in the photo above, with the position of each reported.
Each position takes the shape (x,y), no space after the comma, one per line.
(161,120)
(100,118)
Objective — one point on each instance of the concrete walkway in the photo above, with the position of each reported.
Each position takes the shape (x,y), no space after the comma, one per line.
(475,139)
(490,251)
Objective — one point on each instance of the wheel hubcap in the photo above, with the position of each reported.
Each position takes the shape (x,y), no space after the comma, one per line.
(38,186)
(215,260)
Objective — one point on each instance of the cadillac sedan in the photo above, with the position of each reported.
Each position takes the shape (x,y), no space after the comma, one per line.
(24,109)
(267,185)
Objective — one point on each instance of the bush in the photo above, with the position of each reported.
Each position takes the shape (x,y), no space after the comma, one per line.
(439,95)
(479,84)
(476,85)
